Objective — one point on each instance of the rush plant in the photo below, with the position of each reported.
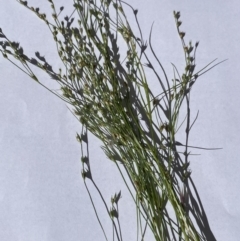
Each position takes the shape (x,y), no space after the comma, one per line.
(111,98)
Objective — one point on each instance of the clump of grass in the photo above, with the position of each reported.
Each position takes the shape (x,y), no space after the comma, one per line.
(112,99)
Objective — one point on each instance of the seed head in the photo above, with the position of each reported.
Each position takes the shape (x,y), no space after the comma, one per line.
(181,34)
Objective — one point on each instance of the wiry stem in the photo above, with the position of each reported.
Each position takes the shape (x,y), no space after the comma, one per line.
(107,98)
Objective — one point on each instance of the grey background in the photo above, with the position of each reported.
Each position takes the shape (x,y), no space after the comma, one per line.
(42,196)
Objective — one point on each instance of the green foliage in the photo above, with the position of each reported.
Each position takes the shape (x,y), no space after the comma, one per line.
(111,98)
